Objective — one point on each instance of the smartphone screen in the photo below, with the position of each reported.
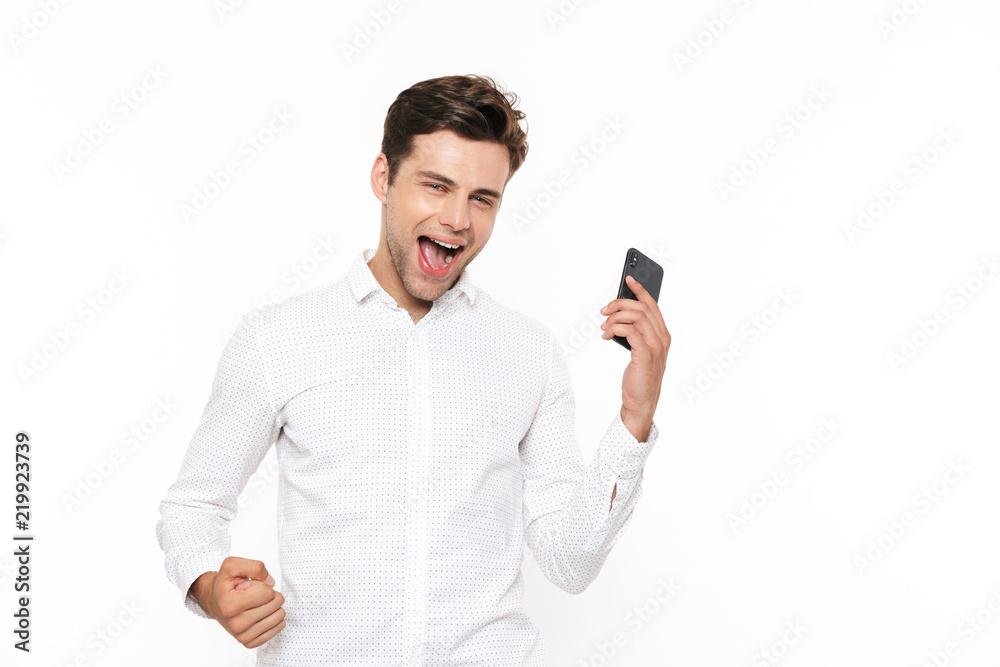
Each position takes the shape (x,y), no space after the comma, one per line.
(648,273)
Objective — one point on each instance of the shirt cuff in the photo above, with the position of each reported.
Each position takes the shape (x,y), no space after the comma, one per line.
(622,452)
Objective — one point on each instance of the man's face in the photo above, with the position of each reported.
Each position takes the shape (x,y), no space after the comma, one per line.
(449,189)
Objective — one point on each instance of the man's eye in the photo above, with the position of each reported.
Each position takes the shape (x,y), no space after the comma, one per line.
(434,185)
(485,201)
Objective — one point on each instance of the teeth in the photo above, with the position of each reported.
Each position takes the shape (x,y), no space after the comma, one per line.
(446,245)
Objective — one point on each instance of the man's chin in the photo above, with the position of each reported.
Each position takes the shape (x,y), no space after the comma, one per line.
(426,288)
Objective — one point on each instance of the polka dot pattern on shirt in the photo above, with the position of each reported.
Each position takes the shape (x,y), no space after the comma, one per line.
(416,463)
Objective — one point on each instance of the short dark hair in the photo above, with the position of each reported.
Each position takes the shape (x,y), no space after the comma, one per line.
(472,106)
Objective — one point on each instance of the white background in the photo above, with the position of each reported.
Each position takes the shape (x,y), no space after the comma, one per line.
(893,78)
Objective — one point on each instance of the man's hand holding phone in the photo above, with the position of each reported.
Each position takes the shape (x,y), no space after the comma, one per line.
(241,597)
(639,321)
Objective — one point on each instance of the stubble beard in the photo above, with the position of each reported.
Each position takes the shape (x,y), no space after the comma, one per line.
(413,279)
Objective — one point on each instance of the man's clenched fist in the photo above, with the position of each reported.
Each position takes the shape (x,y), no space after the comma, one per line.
(241,597)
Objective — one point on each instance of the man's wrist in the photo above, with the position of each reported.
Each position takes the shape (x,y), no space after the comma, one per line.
(201,591)
(637,425)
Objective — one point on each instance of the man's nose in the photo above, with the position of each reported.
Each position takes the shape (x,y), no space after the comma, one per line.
(455,213)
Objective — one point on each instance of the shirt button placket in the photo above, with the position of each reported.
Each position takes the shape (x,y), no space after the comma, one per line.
(418,368)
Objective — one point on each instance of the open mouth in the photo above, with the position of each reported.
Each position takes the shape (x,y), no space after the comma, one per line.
(437,258)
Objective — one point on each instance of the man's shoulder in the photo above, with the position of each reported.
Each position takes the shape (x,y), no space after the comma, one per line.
(314,307)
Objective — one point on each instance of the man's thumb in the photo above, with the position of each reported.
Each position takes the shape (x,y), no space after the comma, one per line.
(269,581)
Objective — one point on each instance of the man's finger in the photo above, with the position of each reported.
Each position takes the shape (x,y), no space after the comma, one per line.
(267,635)
(637,288)
(236,574)
(237,601)
(622,329)
(621,304)
(243,568)
(654,308)
(258,594)
(233,566)
(244,584)
(633,306)
(242,621)
(641,295)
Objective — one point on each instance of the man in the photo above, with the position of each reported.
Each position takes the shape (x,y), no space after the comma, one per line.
(424,431)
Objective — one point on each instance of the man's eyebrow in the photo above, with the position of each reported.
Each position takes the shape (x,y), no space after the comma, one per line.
(449,182)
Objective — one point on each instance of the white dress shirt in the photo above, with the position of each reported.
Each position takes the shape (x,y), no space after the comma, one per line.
(416,461)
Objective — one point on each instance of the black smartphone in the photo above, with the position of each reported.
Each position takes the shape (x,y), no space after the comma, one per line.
(648,273)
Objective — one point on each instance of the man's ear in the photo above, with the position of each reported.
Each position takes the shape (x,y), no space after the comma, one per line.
(380,178)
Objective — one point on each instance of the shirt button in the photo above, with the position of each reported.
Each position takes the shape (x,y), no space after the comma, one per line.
(630,458)
(412,660)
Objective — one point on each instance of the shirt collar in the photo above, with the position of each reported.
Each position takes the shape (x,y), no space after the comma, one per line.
(363,282)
